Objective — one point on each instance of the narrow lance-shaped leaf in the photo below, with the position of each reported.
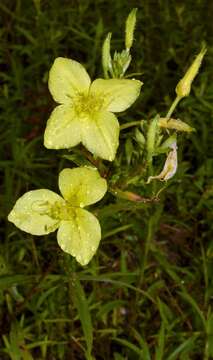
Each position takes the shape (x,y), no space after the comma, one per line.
(82,306)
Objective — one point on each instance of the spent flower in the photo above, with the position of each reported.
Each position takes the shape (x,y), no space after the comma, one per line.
(85,114)
(40,212)
(170,166)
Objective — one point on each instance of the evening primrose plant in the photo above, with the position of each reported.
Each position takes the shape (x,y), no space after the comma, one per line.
(85,115)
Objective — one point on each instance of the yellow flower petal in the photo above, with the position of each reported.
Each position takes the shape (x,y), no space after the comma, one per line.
(100,134)
(118,94)
(82,186)
(66,79)
(80,237)
(32,212)
(63,129)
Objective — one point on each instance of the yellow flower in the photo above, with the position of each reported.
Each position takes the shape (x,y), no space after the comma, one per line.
(40,212)
(85,114)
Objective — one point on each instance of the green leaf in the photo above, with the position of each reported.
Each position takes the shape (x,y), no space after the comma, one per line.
(77,158)
(145,353)
(7,281)
(194,306)
(131,346)
(129,148)
(110,306)
(82,306)
(166,145)
(187,345)
(209,330)
(159,354)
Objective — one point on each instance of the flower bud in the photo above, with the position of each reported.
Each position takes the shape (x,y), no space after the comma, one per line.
(183,88)
(151,138)
(175,124)
(106,57)
(129,30)
(129,195)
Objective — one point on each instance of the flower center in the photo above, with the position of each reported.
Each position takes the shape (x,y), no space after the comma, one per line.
(87,104)
(57,211)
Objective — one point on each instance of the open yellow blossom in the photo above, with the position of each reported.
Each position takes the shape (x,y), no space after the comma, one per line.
(42,211)
(85,114)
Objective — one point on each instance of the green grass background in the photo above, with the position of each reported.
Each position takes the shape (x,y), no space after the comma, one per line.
(147,293)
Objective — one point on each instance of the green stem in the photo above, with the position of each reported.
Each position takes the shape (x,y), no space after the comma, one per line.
(172,107)
(130,124)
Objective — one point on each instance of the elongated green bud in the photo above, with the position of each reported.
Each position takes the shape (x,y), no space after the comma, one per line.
(183,88)
(106,57)
(130,27)
(151,138)
(175,124)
